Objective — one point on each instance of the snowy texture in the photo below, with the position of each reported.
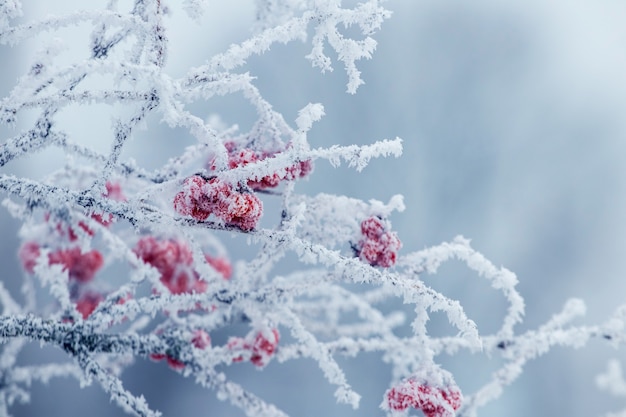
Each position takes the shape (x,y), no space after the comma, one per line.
(166,227)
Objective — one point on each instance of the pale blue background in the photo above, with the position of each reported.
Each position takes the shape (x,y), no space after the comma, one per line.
(513,127)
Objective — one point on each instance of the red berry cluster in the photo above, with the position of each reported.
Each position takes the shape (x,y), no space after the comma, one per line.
(261,344)
(433,401)
(378,246)
(174,261)
(200,198)
(200,340)
(81,266)
(238,157)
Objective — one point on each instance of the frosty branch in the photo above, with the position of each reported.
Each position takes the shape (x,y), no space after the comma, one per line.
(166,227)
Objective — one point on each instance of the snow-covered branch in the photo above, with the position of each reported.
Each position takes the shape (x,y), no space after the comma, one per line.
(165,228)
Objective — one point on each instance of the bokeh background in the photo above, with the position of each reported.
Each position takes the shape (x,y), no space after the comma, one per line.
(514,136)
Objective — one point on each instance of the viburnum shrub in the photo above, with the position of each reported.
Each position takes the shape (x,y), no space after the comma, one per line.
(148,262)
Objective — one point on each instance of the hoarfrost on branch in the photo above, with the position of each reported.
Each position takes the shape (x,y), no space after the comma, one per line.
(166,227)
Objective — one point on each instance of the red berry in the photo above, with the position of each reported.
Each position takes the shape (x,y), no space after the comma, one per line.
(174,363)
(238,157)
(264,346)
(69,232)
(372,227)
(187,202)
(200,198)
(241,157)
(433,401)
(157,356)
(28,254)
(87,303)
(81,267)
(86,265)
(237,343)
(378,247)
(201,339)
(114,191)
(244,211)
(221,265)
(299,170)
(174,261)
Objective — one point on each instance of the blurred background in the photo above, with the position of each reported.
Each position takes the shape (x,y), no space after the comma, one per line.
(514,136)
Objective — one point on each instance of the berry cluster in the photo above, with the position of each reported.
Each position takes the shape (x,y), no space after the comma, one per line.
(174,261)
(200,340)
(200,198)
(238,157)
(81,266)
(378,246)
(433,401)
(262,345)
